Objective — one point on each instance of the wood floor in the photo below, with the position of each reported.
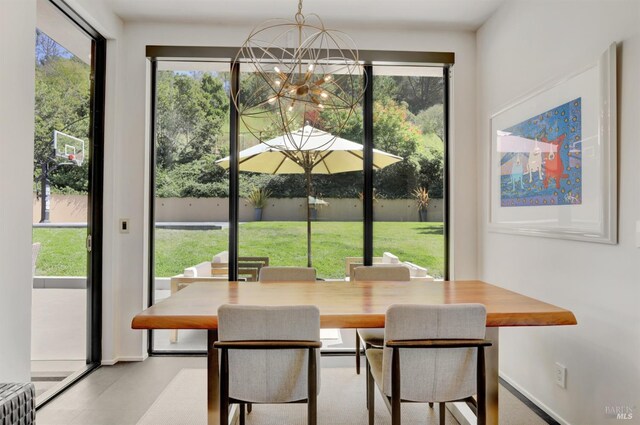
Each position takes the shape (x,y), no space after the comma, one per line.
(122,394)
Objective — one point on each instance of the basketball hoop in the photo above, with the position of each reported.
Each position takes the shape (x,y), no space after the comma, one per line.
(69,148)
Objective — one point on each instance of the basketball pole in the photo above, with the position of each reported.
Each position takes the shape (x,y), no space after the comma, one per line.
(45,193)
(46,167)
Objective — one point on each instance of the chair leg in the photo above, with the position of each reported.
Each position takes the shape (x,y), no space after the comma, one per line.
(482,388)
(357,353)
(370,395)
(249,408)
(396,414)
(224,387)
(441,410)
(312,389)
(368,386)
(241,413)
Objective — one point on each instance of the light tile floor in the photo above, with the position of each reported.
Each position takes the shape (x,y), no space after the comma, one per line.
(121,394)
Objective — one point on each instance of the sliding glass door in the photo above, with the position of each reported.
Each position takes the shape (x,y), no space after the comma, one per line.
(67,199)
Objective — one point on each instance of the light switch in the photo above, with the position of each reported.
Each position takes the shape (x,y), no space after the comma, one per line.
(124,225)
(638,234)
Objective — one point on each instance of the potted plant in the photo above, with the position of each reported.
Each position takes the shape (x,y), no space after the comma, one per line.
(258,198)
(421,195)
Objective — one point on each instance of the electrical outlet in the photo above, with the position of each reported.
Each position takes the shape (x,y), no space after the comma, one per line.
(561,375)
(124,225)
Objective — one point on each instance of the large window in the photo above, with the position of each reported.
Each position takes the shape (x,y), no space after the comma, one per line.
(191,191)
(408,121)
(197,227)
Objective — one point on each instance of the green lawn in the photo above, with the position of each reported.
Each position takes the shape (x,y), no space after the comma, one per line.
(63,254)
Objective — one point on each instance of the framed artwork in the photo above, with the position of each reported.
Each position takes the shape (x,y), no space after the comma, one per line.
(554,159)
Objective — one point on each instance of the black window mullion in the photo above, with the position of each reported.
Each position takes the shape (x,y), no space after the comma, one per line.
(446,71)
(152,193)
(367,121)
(233,173)
(94,219)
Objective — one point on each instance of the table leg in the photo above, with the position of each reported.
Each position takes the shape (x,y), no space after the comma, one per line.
(491,362)
(213,380)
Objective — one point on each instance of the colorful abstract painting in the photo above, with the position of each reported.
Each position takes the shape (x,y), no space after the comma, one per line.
(541,159)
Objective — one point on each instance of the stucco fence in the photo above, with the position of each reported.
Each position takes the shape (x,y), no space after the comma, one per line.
(73,209)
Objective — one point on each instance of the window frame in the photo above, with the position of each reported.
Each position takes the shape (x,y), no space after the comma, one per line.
(369,59)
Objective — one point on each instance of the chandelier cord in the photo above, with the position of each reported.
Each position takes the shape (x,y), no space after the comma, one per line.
(299,16)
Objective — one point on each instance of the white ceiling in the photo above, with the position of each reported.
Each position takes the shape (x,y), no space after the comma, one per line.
(415,14)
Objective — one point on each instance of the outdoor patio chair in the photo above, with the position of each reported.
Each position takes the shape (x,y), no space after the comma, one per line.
(287,274)
(432,354)
(269,355)
(380,272)
(248,267)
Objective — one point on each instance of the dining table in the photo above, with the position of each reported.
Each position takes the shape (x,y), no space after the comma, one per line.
(349,305)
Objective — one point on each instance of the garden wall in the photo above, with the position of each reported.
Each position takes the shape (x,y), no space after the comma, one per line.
(73,209)
(63,209)
(292,209)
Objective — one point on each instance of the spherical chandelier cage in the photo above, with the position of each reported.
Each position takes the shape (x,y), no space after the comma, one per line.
(302,77)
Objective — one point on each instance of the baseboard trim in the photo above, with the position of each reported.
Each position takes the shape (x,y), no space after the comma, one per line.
(539,408)
(111,362)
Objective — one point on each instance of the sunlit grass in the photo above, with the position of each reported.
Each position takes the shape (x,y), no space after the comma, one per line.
(285,243)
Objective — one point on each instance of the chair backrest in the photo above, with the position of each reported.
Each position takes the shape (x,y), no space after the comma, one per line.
(416,270)
(434,374)
(396,273)
(350,262)
(269,376)
(221,257)
(389,258)
(287,274)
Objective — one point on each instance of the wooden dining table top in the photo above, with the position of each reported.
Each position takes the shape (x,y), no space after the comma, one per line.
(346,304)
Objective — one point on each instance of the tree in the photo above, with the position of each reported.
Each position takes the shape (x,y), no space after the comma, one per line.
(62,102)
(432,120)
(431,174)
(420,93)
(47,49)
(192,111)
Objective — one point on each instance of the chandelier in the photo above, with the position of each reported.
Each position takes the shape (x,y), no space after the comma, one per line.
(299,76)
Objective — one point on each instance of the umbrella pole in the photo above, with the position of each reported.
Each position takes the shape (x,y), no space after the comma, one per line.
(307,174)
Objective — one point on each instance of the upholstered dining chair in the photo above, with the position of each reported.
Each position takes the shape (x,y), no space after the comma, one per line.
(431,353)
(269,355)
(394,273)
(287,274)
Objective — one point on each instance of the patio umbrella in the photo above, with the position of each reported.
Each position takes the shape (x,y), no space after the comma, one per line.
(307,151)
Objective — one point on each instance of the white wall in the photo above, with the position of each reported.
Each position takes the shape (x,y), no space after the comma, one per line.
(17,79)
(129,180)
(522,46)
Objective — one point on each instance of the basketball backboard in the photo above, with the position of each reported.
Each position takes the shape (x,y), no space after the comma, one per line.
(71,148)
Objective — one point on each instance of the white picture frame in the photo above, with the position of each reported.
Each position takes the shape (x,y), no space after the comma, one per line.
(553,162)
